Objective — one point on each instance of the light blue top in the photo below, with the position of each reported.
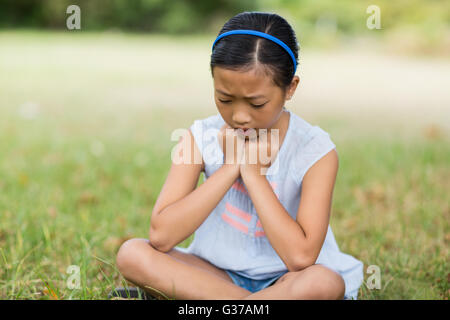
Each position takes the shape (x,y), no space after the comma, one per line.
(232,238)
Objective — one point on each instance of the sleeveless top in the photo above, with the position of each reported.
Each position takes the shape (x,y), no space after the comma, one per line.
(232,238)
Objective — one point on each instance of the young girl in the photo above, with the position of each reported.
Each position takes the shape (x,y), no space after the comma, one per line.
(257,236)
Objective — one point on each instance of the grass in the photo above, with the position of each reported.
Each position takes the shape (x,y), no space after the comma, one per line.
(85,148)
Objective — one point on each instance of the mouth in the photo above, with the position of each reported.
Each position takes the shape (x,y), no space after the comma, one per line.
(246,132)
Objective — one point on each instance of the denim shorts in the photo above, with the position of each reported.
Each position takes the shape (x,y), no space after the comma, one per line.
(257,285)
(251,284)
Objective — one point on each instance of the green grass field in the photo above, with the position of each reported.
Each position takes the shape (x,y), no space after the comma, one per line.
(85,123)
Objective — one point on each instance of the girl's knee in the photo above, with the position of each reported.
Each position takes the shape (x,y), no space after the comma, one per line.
(319,282)
(329,284)
(130,252)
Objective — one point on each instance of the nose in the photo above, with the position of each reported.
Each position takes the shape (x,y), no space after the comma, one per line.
(241,118)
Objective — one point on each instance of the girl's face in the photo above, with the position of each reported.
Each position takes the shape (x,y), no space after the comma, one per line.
(249,99)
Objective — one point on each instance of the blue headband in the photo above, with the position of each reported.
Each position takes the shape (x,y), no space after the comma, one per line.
(262,35)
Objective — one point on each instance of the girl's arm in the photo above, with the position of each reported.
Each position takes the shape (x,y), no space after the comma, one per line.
(297,242)
(181,207)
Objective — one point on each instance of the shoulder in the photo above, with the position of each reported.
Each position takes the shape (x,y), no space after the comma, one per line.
(323,169)
(310,144)
(205,133)
(213,121)
(201,128)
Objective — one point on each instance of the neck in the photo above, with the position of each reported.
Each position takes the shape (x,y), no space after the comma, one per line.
(282,122)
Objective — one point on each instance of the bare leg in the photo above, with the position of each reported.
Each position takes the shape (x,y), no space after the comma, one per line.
(175,274)
(316,282)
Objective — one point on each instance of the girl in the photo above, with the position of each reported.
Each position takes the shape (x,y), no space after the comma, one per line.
(257,236)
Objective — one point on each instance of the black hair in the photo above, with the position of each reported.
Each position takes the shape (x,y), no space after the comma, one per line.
(242,52)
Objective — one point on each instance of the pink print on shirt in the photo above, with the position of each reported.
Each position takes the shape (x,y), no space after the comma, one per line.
(259,233)
(238,212)
(234,223)
(244,216)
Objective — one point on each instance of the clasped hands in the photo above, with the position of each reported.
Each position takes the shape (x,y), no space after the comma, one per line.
(252,155)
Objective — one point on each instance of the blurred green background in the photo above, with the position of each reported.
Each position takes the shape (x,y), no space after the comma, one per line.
(86,117)
(419,25)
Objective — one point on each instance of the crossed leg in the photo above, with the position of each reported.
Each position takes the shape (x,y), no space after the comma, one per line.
(316,282)
(176,274)
(180,275)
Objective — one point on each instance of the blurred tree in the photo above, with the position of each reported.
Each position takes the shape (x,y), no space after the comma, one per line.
(171,16)
(188,16)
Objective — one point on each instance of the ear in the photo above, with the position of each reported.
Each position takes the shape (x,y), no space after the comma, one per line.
(292,87)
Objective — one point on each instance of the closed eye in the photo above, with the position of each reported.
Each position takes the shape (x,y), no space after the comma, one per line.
(258,105)
(253,105)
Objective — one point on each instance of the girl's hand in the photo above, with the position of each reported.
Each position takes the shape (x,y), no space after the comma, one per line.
(230,138)
(259,154)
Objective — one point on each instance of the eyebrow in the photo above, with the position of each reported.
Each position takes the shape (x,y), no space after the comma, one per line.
(249,97)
